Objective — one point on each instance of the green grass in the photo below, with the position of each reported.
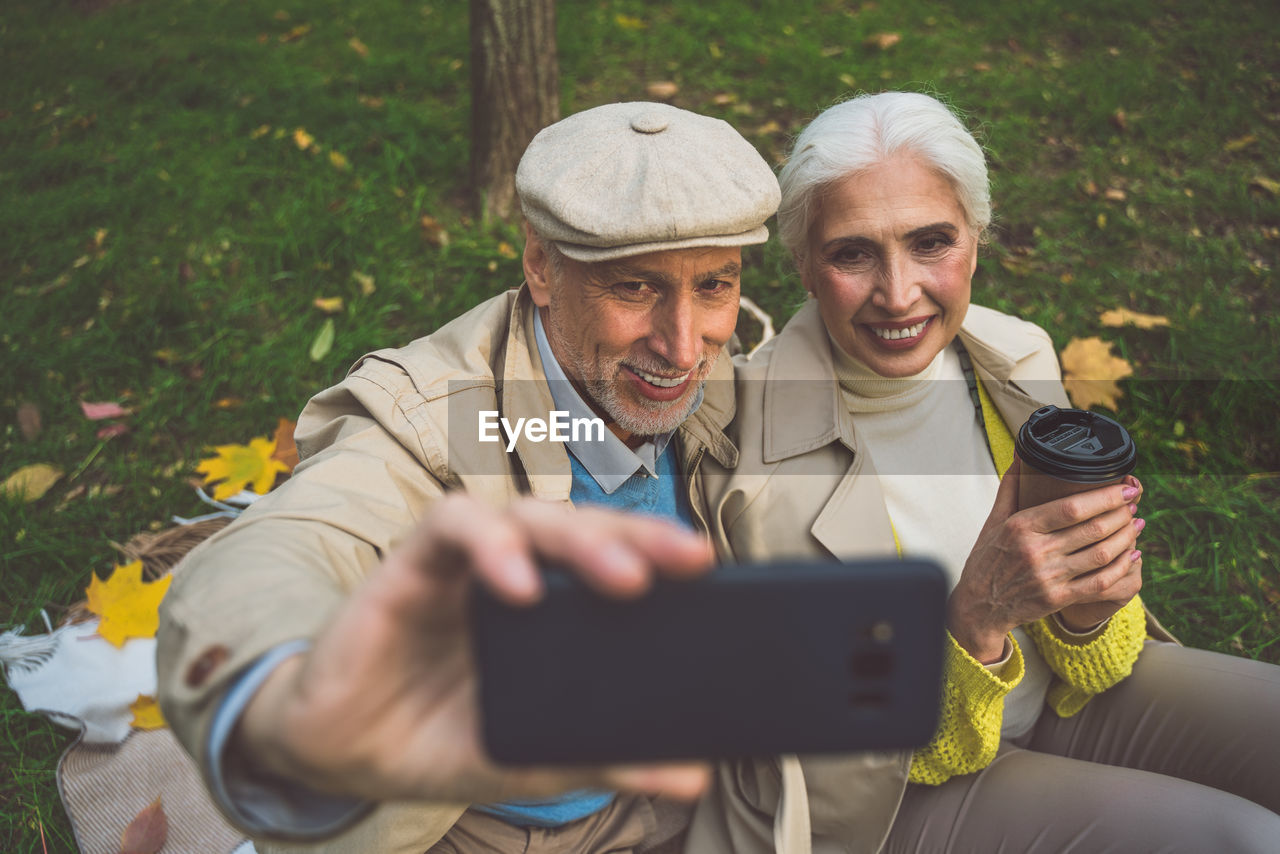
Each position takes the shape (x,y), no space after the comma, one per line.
(171,127)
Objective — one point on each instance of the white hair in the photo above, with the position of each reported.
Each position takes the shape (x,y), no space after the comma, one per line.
(859,133)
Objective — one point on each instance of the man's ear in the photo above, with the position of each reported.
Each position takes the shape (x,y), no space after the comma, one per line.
(536,268)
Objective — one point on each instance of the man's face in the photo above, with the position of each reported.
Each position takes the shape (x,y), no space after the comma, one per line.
(639,335)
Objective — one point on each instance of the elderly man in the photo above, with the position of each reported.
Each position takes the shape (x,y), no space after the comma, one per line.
(314,656)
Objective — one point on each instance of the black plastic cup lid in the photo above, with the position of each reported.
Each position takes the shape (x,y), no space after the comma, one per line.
(1076,445)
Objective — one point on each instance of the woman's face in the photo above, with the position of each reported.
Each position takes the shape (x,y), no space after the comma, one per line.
(890,257)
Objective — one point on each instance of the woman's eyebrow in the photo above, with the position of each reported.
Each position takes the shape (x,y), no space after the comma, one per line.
(935,226)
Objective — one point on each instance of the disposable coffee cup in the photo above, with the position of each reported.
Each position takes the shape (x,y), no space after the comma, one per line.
(1065,451)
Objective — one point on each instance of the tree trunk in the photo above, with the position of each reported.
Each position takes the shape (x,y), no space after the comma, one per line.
(515,92)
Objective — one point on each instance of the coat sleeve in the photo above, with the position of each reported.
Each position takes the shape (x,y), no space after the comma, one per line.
(278,572)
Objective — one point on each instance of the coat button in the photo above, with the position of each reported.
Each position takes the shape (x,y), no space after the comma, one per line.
(202,668)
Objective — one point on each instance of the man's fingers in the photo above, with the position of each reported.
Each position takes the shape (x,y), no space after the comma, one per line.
(616,554)
(685,782)
(462,536)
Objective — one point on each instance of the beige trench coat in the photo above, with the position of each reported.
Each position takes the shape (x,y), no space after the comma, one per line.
(802,489)
(378,449)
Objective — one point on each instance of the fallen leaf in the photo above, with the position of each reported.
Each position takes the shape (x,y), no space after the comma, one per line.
(296,33)
(884,41)
(849,80)
(1091,373)
(147,832)
(1120,120)
(1114,194)
(323,342)
(228,403)
(329,305)
(982,66)
(129,607)
(112,430)
(238,466)
(506,250)
(724,99)
(30,482)
(1102,220)
(1240,143)
(1264,183)
(105,409)
(80,262)
(768,127)
(260,131)
(1123,316)
(662,90)
(302,139)
(629,23)
(366,283)
(29,421)
(286,451)
(99,236)
(281,15)
(146,713)
(432,231)
(358,46)
(371,102)
(339,160)
(72,494)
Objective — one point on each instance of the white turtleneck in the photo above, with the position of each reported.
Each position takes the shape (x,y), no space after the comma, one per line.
(937,492)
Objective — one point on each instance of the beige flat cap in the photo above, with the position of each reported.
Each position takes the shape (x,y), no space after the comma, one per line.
(625,179)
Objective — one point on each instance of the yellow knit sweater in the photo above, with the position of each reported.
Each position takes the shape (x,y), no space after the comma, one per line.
(973,697)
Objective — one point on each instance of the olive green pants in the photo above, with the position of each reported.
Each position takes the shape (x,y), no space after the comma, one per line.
(1182,756)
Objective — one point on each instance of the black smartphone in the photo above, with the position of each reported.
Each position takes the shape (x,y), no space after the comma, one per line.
(749,660)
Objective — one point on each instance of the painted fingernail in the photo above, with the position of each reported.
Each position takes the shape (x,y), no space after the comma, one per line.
(1133,509)
(1139,524)
(1135,556)
(1130,493)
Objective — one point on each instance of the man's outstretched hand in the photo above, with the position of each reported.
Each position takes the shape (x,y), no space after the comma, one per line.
(384,705)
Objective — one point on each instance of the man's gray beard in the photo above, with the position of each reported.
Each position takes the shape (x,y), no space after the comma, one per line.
(663,418)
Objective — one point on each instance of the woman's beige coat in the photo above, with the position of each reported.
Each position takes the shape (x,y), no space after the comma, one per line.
(802,489)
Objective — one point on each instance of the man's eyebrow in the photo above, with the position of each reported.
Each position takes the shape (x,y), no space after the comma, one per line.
(732,268)
(623,271)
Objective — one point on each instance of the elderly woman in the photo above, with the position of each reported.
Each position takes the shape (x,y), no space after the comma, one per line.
(880,419)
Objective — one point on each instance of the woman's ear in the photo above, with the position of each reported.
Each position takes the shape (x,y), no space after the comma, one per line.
(536,268)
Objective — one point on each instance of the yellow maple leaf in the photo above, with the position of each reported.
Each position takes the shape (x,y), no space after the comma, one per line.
(128,606)
(146,713)
(1090,373)
(238,466)
(1122,316)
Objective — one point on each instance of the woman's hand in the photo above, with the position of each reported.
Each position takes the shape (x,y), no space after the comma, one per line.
(1073,555)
